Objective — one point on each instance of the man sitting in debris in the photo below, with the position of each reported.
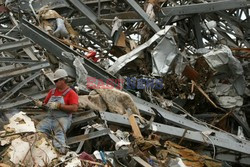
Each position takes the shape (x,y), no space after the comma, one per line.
(61,102)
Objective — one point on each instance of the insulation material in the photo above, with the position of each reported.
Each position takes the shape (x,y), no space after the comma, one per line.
(92,101)
(113,99)
(45,13)
(20,123)
(4,165)
(72,33)
(81,73)
(118,101)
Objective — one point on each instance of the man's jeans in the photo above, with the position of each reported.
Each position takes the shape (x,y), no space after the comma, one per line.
(50,123)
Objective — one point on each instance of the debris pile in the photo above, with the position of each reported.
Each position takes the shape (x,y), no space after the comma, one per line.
(160,83)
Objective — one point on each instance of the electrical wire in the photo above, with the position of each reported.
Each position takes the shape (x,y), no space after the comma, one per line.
(211,143)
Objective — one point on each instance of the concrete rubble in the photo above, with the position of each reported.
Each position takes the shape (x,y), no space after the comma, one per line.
(160,83)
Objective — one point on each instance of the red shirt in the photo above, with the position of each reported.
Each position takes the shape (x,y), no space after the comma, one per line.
(70,98)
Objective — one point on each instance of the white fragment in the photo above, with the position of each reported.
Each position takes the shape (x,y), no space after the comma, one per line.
(19,149)
(20,122)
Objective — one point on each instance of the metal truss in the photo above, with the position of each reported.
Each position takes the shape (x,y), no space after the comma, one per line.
(23,61)
(143,15)
(144,106)
(57,48)
(91,16)
(21,100)
(15,71)
(15,45)
(203,7)
(19,86)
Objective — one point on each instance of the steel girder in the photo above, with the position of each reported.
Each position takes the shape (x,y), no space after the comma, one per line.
(204,7)
(23,61)
(230,157)
(77,139)
(197,29)
(19,86)
(57,48)
(84,9)
(196,136)
(107,18)
(20,101)
(23,70)
(5,81)
(177,10)
(228,14)
(180,121)
(15,45)
(143,15)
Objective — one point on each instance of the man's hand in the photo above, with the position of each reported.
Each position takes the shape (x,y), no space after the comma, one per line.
(54,105)
(38,103)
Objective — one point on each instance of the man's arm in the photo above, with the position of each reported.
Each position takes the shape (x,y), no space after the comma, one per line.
(47,97)
(68,108)
(72,105)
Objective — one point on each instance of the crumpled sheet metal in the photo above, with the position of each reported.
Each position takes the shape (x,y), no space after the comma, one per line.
(221,56)
(123,60)
(229,68)
(226,95)
(222,60)
(163,55)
